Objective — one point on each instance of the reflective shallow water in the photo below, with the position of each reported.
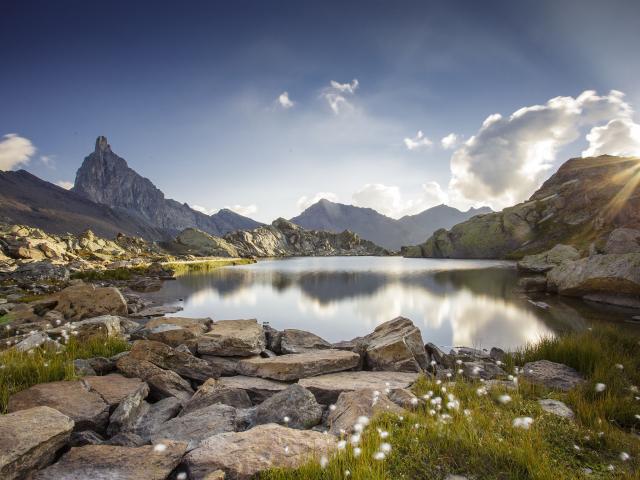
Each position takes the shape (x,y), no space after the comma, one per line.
(454,302)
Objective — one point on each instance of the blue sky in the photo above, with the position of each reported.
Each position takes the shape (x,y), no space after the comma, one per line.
(191,94)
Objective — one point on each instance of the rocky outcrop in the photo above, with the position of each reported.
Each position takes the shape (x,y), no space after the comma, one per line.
(623,240)
(552,375)
(545,261)
(577,206)
(78,302)
(613,278)
(192,241)
(285,239)
(244,454)
(30,439)
(396,346)
(105,178)
(232,338)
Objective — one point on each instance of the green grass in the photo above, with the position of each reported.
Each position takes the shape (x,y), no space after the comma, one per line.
(182,268)
(6,318)
(483,443)
(121,273)
(21,370)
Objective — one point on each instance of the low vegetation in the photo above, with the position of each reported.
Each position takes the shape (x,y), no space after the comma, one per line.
(21,370)
(181,268)
(502,433)
(111,274)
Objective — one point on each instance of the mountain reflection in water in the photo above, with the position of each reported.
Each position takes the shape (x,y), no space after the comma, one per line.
(453,302)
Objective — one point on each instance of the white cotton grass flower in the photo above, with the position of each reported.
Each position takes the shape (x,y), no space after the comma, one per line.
(637,417)
(357,452)
(332,407)
(459,362)
(181,476)
(383,434)
(522,422)
(619,366)
(358,427)
(159,447)
(481,391)
(576,448)
(414,401)
(611,468)
(433,363)
(386,447)
(504,399)
(342,444)
(600,387)
(324,461)
(347,473)
(379,456)
(624,456)
(355,439)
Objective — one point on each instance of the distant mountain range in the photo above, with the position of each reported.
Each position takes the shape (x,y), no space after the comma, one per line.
(110,197)
(380,229)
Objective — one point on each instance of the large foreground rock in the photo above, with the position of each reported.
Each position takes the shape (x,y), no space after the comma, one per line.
(113,388)
(295,407)
(197,425)
(242,455)
(212,392)
(30,439)
(233,338)
(163,356)
(396,346)
(86,408)
(78,302)
(552,375)
(327,388)
(545,261)
(359,403)
(295,366)
(103,462)
(258,389)
(162,383)
(175,331)
(607,278)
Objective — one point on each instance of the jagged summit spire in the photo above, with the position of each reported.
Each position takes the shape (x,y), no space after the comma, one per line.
(102,144)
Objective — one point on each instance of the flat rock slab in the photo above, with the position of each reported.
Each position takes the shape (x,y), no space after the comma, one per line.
(212,392)
(153,415)
(297,341)
(242,455)
(359,403)
(103,462)
(29,440)
(232,338)
(175,331)
(552,375)
(113,388)
(86,408)
(197,425)
(556,407)
(258,389)
(156,311)
(302,365)
(327,388)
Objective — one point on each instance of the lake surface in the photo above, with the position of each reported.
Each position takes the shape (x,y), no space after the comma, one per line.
(453,302)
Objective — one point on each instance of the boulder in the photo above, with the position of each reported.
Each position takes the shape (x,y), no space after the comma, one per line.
(545,261)
(556,407)
(40,271)
(295,407)
(244,454)
(486,370)
(396,346)
(174,331)
(212,392)
(232,338)
(30,439)
(87,409)
(439,356)
(35,340)
(302,365)
(196,242)
(258,389)
(327,388)
(623,240)
(104,325)
(162,383)
(298,341)
(552,375)
(197,425)
(163,356)
(84,300)
(150,462)
(152,415)
(226,365)
(613,278)
(359,403)
(113,388)
(128,410)
(83,368)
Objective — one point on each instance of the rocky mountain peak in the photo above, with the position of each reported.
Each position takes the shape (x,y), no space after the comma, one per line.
(102,145)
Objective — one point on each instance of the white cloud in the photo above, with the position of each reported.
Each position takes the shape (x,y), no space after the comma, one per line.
(417,142)
(14,151)
(284,100)
(65,184)
(48,161)
(390,201)
(450,141)
(507,159)
(305,201)
(345,87)
(205,210)
(245,210)
(618,137)
(335,95)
